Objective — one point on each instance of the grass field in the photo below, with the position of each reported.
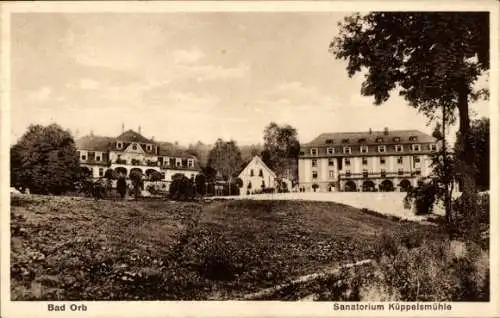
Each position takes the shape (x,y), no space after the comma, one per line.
(66,248)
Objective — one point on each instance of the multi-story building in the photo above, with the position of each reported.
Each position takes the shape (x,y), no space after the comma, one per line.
(365,161)
(131,151)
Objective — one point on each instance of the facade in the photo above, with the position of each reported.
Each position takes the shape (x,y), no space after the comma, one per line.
(132,151)
(256,174)
(365,161)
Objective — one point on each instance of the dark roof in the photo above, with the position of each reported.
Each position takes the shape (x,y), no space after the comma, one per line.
(168,149)
(94,143)
(132,136)
(367,137)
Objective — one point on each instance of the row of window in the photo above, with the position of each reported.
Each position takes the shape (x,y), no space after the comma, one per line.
(383,173)
(378,139)
(364,149)
(93,156)
(364,161)
(261,173)
(120,145)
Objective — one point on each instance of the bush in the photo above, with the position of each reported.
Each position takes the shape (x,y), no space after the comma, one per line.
(181,189)
(408,267)
(423,197)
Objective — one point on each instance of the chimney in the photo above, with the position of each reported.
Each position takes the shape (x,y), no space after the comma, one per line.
(386,131)
(139,130)
(370,131)
(123,128)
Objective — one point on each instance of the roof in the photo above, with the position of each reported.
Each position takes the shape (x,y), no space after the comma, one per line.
(168,149)
(94,143)
(132,136)
(367,137)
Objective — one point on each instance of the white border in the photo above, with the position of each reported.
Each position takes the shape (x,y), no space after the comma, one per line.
(231,308)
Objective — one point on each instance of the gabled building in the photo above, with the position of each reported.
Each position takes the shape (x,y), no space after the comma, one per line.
(257,175)
(365,161)
(132,151)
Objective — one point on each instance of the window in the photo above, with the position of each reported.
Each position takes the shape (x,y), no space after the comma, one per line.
(400,160)
(148,147)
(119,145)
(91,155)
(98,157)
(396,139)
(348,173)
(171,162)
(362,140)
(347,149)
(347,161)
(382,161)
(315,174)
(329,141)
(383,173)
(400,172)
(184,163)
(251,172)
(345,140)
(413,138)
(178,162)
(415,147)
(331,174)
(365,173)
(363,149)
(314,162)
(314,151)
(365,161)
(329,151)
(381,148)
(331,162)
(261,174)
(84,157)
(101,172)
(432,147)
(416,159)
(190,163)
(418,172)
(105,157)
(379,139)
(398,148)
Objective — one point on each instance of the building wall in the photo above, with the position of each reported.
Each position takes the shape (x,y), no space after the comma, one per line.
(256,180)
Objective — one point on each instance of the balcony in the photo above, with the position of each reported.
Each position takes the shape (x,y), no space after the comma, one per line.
(361,175)
(121,161)
(152,163)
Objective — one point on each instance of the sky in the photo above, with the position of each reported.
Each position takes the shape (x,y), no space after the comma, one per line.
(191,77)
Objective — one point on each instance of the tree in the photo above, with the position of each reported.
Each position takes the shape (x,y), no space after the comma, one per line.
(432,58)
(137,181)
(281,150)
(480,139)
(225,158)
(200,182)
(121,186)
(45,160)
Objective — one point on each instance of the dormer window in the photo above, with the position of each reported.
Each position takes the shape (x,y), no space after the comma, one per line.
(363,149)
(314,151)
(347,149)
(362,140)
(396,139)
(398,148)
(134,147)
(345,140)
(381,148)
(119,145)
(329,141)
(413,138)
(415,147)
(149,147)
(432,147)
(329,151)
(379,139)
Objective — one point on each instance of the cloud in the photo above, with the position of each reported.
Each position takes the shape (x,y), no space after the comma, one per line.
(187,56)
(89,84)
(214,72)
(40,95)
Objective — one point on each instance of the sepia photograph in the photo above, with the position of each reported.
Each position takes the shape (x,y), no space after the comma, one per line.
(249,155)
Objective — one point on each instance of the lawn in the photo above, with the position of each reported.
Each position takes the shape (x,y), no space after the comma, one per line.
(68,248)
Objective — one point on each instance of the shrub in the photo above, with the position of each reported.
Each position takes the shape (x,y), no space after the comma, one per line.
(181,189)
(423,197)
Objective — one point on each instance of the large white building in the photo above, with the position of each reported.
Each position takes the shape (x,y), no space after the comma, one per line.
(365,161)
(131,151)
